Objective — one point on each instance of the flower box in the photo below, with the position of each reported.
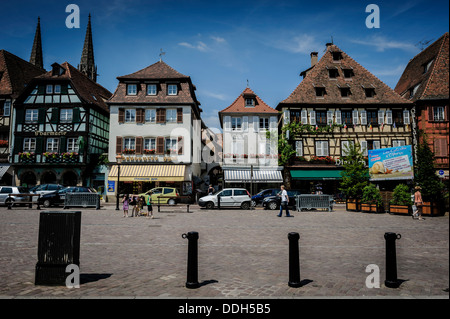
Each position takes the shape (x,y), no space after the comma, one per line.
(400,209)
(353,204)
(432,209)
(371,208)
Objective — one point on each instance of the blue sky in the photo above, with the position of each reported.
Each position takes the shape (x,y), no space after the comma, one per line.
(222,44)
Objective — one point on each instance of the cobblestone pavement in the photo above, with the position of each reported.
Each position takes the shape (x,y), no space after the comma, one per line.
(241,254)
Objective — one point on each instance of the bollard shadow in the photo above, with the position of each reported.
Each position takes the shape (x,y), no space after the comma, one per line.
(87,278)
(207,282)
(304,282)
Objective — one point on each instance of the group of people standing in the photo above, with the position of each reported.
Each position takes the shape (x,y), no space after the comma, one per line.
(137,204)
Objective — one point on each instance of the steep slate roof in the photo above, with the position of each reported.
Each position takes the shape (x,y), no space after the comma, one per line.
(318,76)
(434,82)
(86,88)
(161,74)
(15,73)
(238,106)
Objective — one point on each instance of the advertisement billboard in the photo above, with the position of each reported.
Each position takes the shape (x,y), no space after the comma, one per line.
(391,163)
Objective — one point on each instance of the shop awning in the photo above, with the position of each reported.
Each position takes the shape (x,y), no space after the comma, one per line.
(316,175)
(3,169)
(148,173)
(259,176)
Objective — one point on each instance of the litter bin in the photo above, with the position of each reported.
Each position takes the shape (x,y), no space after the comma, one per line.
(58,246)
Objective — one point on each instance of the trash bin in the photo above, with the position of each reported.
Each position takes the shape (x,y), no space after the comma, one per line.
(58,246)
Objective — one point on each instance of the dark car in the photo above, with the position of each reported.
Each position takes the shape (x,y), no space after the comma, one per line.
(258,198)
(58,197)
(273,202)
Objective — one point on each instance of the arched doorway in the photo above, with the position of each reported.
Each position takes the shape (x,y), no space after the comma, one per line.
(48,177)
(69,178)
(28,179)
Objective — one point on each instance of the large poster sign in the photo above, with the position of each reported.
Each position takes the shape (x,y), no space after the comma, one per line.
(391,163)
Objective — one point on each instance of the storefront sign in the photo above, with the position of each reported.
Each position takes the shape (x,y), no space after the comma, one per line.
(394,163)
(39,133)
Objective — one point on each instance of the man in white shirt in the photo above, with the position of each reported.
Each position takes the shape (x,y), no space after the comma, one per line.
(284,202)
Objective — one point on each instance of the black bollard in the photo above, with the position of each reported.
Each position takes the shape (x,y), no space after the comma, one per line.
(294,263)
(192,261)
(391,260)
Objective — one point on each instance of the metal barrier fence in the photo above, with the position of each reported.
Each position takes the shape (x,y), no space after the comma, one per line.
(314,201)
(82,200)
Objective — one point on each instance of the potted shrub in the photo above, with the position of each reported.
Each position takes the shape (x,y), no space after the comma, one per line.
(371,200)
(401,200)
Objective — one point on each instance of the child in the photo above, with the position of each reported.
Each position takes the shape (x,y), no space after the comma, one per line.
(125,207)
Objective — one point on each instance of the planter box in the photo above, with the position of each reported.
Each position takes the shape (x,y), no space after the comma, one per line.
(371,208)
(432,209)
(353,205)
(400,209)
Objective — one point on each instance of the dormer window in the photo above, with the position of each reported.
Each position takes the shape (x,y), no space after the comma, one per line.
(333,73)
(348,73)
(131,89)
(49,89)
(337,56)
(151,89)
(172,89)
(427,66)
(345,92)
(370,92)
(320,91)
(249,102)
(413,91)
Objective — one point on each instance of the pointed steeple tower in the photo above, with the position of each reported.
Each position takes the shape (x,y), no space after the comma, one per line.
(87,64)
(36,52)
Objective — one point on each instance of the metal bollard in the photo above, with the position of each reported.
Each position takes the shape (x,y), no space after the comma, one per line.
(294,263)
(192,261)
(391,260)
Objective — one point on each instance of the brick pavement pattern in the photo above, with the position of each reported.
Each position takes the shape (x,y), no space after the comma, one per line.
(241,254)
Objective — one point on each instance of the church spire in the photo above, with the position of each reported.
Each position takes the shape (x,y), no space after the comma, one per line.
(87,64)
(36,51)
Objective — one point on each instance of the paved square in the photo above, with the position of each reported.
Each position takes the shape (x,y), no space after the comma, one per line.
(241,254)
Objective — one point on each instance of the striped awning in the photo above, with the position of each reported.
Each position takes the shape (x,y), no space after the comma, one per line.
(148,173)
(259,176)
(3,169)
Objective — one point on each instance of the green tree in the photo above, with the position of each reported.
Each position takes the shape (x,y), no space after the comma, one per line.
(425,173)
(355,175)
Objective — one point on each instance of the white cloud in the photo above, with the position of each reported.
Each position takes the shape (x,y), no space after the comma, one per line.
(381,44)
(218,39)
(303,43)
(200,46)
(395,71)
(218,96)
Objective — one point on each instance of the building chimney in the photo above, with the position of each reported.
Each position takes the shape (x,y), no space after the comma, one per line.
(314,58)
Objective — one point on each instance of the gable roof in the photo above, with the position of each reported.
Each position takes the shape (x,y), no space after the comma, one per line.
(158,70)
(90,91)
(318,76)
(238,106)
(433,83)
(15,73)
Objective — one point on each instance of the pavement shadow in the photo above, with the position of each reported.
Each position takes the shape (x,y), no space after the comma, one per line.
(207,282)
(87,278)
(304,282)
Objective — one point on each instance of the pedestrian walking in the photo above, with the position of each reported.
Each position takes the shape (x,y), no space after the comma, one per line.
(210,190)
(149,206)
(418,202)
(125,205)
(133,204)
(284,202)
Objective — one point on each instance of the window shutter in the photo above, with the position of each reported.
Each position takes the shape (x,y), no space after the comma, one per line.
(312,117)
(162,115)
(304,115)
(430,113)
(325,148)
(227,123)
(121,115)
(338,116)
(406,118)
(286,117)
(273,123)
(41,116)
(389,117)
(180,145)
(363,117)
(446,113)
(355,117)
(245,123)
(256,123)
(380,117)
(160,145)
(180,115)
(18,144)
(139,116)
(376,145)
(55,115)
(364,148)
(299,148)
(76,115)
(119,144)
(39,144)
(63,144)
(330,117)
(139,145)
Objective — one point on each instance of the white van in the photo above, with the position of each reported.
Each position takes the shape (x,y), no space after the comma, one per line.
(229,197)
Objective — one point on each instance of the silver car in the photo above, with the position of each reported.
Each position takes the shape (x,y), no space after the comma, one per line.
(6,190)
(229,197)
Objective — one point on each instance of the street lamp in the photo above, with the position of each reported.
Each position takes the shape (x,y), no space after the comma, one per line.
(118,160)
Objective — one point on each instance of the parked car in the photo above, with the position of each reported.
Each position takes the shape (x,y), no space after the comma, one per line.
(57,198)
(229,197)
(258,198)
(6,190)
(161,195)
(274,202)
(44,189)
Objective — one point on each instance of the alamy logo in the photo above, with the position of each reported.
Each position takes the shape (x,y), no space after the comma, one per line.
(73,279)
(373,19)
(73,19)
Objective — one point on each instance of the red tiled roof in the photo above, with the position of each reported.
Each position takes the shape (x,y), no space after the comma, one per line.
(434,84)
(15,73)
(90,91)
(318,76)
(161,74)
(238,106)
